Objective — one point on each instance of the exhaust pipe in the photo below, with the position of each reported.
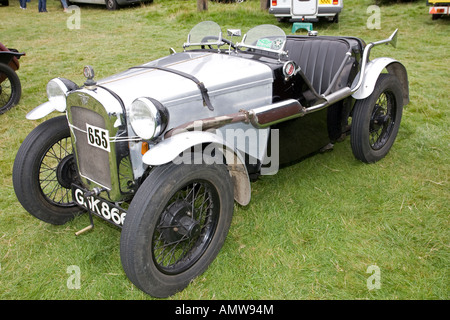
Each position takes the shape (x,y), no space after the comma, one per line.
(269,115)
(262,117)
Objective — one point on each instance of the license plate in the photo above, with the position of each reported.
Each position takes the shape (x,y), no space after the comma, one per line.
(99,207)
(97,137)
(325,1)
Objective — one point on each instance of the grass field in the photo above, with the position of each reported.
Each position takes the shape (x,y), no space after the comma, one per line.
(310,232)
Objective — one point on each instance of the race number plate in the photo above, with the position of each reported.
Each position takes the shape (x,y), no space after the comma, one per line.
(99,207)
(97,137)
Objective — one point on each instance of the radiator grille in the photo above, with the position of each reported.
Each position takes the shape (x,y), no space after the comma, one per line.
(93,162)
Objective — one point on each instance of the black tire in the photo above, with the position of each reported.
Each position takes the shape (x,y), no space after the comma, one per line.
(162,246)
(111,5)
(10,88)
(336,18)
(43,170)
(376,120)
(435,16)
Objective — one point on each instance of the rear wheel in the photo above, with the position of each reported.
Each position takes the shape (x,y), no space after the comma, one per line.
(111,5)
(175,226)
(376,120)
(10,88)
(43,171)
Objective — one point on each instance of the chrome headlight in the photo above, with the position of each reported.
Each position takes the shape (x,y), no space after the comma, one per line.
(148,117)
(57,90)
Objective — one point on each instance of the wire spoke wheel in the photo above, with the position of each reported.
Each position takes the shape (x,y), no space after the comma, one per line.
(376,120)
(44,170)
(5,90)
(10,88)
(55,172)
(175,226)
(185,228)
(382,120)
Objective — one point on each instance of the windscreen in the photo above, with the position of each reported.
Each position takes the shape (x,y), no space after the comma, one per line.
(265,37)
(205,33)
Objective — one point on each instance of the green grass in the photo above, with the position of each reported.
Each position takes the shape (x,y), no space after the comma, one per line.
(310,232)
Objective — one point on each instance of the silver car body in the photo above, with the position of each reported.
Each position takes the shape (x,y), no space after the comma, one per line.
(236,84)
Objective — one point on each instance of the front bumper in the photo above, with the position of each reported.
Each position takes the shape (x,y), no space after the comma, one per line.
(322,11)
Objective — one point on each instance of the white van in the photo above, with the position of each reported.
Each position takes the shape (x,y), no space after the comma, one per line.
(306,10)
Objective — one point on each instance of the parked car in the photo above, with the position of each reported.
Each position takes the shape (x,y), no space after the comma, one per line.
(306,10)
(438,8)
(111,4)
(164,149)
(10,86)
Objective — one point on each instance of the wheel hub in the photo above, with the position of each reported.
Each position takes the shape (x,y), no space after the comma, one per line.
(66,171)
(178,222)
(379,118)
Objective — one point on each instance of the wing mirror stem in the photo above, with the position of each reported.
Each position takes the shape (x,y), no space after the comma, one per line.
(391,40)
(233,33)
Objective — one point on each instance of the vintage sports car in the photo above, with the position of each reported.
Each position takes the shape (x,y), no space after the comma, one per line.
(10,86)
(162,150)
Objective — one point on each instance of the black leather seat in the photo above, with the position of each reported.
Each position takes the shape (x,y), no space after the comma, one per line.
(325,61)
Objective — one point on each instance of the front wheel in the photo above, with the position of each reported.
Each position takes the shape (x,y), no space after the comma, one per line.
(376,120)
(43,171)
(175,226)
(10,88)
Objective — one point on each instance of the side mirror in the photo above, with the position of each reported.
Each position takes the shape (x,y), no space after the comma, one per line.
(391,40)
(234,32)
